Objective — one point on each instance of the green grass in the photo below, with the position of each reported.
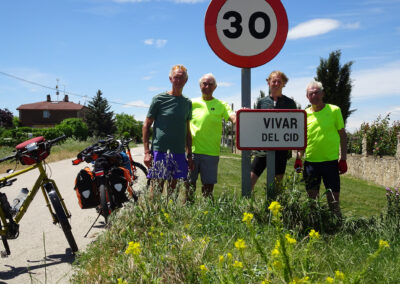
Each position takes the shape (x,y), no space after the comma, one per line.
(196,243)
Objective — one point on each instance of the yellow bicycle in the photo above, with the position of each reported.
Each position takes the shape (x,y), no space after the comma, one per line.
(32,152)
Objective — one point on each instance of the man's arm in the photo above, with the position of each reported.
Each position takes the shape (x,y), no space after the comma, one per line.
(145,135)
(343,144)
(232,118)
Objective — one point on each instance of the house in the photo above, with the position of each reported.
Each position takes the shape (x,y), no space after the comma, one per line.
(49,113)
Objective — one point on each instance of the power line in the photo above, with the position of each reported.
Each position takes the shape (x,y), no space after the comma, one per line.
(65,92)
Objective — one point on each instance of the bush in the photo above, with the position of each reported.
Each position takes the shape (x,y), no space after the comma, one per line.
(381,137)
(74,127)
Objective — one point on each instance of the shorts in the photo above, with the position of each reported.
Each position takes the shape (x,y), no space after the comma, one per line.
(260,163)
(207,167)
(328,171)
(168,166)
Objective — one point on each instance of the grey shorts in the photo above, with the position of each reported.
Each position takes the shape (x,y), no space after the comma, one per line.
(207,167)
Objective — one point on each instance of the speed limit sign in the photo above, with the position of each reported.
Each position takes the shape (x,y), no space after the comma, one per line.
(246,33)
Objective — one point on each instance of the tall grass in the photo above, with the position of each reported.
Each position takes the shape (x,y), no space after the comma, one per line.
(236,240)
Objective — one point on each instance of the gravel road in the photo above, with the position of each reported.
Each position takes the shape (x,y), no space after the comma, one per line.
(41,253)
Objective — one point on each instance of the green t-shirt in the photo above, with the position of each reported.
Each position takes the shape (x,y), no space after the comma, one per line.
(170,114)
(323,139)
(206,125)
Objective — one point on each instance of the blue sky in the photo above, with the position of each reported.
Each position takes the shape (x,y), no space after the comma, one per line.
(126,48)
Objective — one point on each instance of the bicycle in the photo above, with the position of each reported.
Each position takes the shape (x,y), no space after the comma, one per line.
(32,152)
(112,175)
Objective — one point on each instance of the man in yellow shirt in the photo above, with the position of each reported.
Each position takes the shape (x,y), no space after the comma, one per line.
(325,132)
(206,129)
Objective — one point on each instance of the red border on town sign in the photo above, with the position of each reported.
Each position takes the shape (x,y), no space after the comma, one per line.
(210,26)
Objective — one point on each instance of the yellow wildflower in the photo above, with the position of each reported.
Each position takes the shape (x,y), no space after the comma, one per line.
(161,234)
(303,280)
(238,264)
(274,207)
(339,275)
(266,281)
(313,234)
(121,281)
(221,259)
(205,212)
(275,252)
(329,280)
(205,240)
(240,244)
(203,268)
(289,239)
(229,255)
(383,244)
(133,248)
(247,217)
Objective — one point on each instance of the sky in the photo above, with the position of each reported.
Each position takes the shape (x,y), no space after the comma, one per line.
(126,48)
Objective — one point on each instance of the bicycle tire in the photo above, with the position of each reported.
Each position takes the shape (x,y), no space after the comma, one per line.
(62,219)
(140,166)
(104,208)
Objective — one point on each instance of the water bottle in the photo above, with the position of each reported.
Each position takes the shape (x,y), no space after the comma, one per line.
(17,203)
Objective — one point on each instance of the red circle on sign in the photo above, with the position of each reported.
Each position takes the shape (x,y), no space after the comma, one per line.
(210,26)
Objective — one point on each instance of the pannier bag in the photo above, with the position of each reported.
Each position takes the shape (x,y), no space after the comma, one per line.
(86,190)
(119,181)
(34,151)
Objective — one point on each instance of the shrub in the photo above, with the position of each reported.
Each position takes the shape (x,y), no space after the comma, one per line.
(381,137)
(74,127)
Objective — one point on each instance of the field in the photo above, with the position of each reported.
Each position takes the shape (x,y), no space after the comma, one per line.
(237,240)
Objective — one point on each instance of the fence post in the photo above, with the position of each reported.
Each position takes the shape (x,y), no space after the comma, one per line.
(398,148)
(364,145)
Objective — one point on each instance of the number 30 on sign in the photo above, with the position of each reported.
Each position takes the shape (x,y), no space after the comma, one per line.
(246,33)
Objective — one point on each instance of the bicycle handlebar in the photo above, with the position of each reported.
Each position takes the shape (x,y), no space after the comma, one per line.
(8,158)
(55,140)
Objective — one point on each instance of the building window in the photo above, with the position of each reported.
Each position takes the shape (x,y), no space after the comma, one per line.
(46,114)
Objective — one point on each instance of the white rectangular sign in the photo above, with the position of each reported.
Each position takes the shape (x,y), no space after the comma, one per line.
(271,129)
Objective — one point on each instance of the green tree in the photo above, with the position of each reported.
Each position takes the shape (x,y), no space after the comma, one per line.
(127,125)
(99,118)
(337,82)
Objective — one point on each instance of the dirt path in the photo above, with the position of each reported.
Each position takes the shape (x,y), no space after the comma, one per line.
(41,253)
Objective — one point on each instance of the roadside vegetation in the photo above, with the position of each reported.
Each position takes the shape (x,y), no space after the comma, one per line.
(238,240)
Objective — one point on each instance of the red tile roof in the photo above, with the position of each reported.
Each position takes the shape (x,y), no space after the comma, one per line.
(51,106)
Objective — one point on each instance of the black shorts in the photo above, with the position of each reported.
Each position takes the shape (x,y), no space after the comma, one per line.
(260,163)
(328,171)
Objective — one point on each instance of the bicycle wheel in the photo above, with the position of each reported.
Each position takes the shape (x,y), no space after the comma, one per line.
(62,219)
(104,200)
(140,166)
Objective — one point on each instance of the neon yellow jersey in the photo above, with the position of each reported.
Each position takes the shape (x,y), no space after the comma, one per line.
(206,125)
(323,139)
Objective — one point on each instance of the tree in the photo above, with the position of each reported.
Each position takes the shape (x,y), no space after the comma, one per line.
(127,125)
(99,118)
(337,82)
(6,118)
(74,127)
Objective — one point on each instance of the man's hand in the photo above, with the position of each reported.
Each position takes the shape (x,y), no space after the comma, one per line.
(342,167)
(298,165)
(148,159)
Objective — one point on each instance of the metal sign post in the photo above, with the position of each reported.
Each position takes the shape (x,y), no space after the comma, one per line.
(246,103)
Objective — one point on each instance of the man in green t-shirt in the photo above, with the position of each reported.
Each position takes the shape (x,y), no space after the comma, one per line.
(171,113)
(206,129)
(325,132)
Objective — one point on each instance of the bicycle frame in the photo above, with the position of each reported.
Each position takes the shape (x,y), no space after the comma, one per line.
(40,182)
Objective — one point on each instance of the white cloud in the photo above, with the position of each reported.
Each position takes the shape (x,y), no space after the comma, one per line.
(351,26)
(146,78)
(379,81)
(136,104)
(157,42)
(224,84)
(313,28)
